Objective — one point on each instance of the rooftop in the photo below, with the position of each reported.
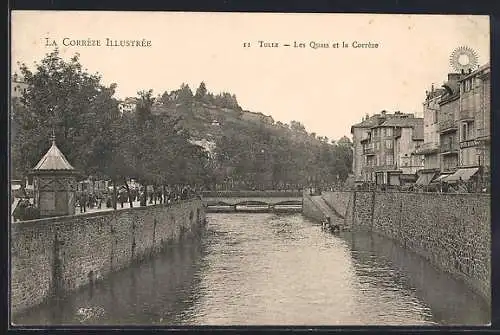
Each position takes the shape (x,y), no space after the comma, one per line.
(385,119)
(475,72)
(53,160)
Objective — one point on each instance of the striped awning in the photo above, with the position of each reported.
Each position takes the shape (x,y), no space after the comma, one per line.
(463,174)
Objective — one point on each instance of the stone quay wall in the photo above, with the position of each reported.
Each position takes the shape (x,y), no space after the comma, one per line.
(451,231)
(55,256)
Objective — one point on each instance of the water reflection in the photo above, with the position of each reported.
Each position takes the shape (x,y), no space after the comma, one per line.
(263,269)
(148,293)
(449,301)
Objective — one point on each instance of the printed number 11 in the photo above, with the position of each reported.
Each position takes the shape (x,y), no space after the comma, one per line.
(246,45)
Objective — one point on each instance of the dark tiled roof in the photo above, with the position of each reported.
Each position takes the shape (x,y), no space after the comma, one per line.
(368,123)
(403,122)
(53,160)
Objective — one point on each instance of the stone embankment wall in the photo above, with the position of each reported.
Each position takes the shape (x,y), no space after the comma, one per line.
(54,256)
(452,231)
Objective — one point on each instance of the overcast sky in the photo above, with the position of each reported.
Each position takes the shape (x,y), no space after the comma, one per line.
(327,89)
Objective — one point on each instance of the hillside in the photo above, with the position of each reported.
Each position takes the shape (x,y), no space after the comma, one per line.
(210,122)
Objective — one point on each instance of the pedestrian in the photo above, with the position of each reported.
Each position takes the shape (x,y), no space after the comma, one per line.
(83,202)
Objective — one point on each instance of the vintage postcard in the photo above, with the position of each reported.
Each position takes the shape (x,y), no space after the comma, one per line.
(191,169)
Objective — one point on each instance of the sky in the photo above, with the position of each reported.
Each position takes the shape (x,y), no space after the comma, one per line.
(326,89)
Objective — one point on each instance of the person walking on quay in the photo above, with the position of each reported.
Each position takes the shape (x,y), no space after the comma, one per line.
(121,198)
(20,210)
(143,198)
(151,195)
(83,202)
(159,195)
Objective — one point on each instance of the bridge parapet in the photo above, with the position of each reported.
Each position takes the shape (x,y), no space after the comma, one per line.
(252,194)
(253,201)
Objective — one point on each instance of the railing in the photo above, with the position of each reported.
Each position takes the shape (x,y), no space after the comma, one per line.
(447,125)
(466,114)
(369,150)
(242,194)
(448,148)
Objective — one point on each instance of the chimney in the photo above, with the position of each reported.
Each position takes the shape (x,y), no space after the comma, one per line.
(432,88)
(383,113)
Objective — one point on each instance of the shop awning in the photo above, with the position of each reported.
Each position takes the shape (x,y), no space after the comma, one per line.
(441,178)
(464,174)
(425,178)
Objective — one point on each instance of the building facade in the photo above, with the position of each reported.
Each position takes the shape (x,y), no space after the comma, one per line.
(384,148)
(474,121)
(430,146)
(449,106)
(128,105)
(17,87)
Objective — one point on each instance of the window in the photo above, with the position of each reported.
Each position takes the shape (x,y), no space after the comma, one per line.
(389,131)
(389,160)
(464,132)
(377,145)
(435,116)
(388,144)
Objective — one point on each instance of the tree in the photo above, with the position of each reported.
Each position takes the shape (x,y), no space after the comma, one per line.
(297,126)
(64,98)
(184,94)
(201,92)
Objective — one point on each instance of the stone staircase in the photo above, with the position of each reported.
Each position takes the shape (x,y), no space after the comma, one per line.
(328,211)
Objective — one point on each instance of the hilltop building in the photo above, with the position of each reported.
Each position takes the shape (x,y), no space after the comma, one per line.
(128,105)
(17,87)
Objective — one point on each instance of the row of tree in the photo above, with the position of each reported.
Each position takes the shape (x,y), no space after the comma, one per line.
(264,157)
(151,147)
(63,98)
(184,95)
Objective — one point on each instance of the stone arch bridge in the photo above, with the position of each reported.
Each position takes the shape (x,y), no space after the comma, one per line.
(249,203)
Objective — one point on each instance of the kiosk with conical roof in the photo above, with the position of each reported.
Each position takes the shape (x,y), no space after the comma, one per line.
(54,184)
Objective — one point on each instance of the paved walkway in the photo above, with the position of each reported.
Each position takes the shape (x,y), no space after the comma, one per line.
(105,209)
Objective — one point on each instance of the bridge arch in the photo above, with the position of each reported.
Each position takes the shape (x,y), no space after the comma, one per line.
(289,203)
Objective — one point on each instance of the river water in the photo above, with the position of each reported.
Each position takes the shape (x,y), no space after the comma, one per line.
(269,269)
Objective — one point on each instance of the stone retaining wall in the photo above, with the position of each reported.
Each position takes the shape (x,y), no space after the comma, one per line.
(55,256)
(452,231)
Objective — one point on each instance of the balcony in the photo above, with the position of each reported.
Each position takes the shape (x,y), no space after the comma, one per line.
(448,149)
(447,126)
(427,148)
(369,150)
(467,115)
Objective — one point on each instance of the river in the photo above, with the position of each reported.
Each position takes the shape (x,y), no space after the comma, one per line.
(269,269)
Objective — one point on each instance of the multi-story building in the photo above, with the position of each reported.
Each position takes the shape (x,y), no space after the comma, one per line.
(473,123)
(430,147)
(17,87)
(448,115)
(384,148)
